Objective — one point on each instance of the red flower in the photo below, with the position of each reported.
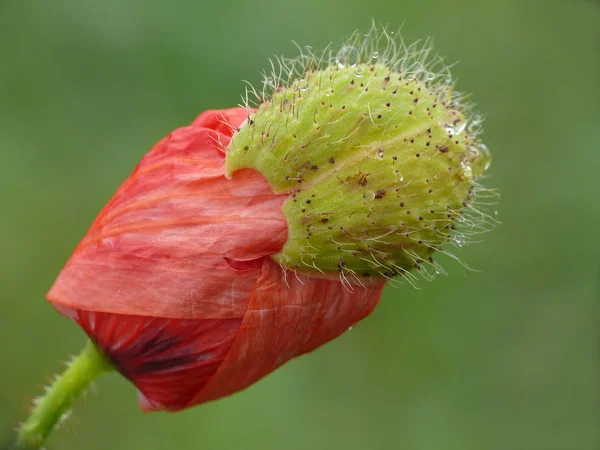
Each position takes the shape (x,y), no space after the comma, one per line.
(174,280)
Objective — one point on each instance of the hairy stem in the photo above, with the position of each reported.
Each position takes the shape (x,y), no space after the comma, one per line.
(58,398)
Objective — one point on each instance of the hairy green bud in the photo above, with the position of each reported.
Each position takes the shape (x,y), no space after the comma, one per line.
(377,157)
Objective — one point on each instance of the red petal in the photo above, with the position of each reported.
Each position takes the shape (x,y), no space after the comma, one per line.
(162,244)
(223,120)
(179,363)
(169,360)
(174,283)
(286,318)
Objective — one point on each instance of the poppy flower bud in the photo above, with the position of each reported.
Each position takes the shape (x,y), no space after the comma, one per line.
(256,235)
(174,280)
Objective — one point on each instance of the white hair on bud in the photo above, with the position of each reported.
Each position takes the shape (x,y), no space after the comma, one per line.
(378,45)
(417,61)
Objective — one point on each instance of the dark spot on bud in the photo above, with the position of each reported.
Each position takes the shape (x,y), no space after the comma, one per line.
(417,155)
(401,204)
(246,147)
(308,202)
(420,217)
(407,212)
(379,116)
(380,193)
(324,220)
(444,149)
(314,167)
(332,160)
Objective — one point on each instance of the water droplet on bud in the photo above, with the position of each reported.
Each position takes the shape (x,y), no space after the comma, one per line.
(347,56)
(459,239)
(359,71)
(487,155)
(303,85)
(453,122)
(467,169)
(375,55)
(480,150)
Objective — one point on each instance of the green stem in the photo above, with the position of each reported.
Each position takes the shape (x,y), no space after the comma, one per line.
(59,397)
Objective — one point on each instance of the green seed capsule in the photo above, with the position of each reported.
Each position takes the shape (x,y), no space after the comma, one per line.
(378,164)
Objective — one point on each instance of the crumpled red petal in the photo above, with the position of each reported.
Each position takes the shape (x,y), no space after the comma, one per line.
(169,360)
(178,363)
(164,244)
(288,315)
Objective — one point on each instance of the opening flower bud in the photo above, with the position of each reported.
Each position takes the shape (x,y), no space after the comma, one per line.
(351,170)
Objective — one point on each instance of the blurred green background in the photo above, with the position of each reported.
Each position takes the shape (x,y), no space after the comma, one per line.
(505,359)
